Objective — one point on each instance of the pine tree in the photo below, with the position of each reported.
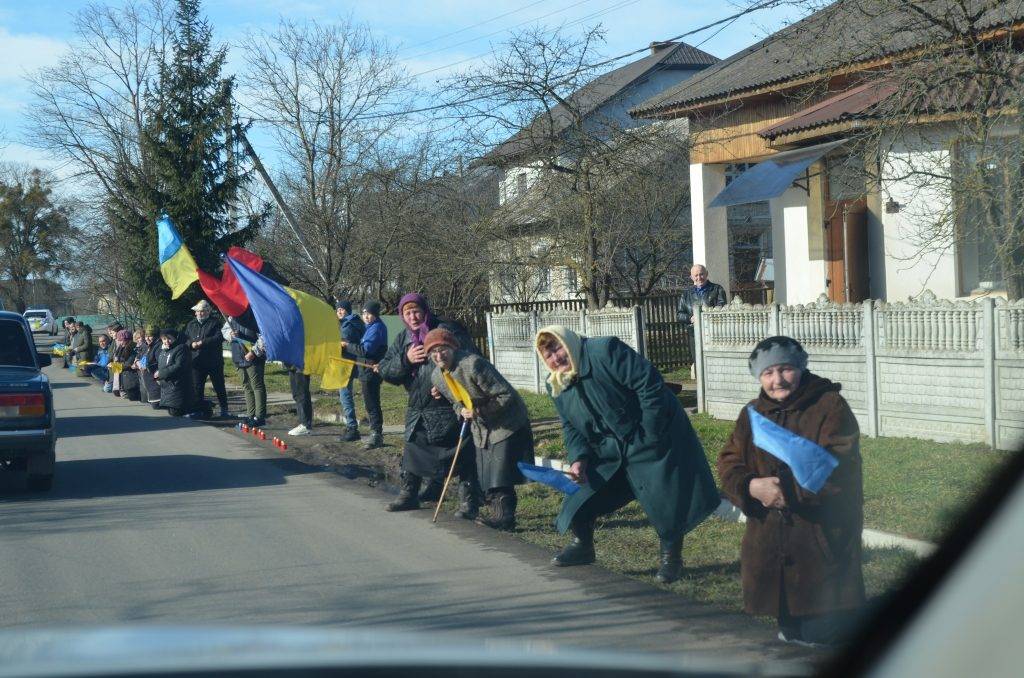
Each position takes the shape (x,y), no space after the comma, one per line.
(189,172)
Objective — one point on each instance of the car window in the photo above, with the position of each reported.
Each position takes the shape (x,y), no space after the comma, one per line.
(14,348)
(35,314)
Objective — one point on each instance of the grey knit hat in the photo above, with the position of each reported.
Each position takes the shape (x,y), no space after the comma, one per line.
(776,351)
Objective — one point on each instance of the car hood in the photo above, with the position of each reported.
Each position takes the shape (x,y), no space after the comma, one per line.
(153,650)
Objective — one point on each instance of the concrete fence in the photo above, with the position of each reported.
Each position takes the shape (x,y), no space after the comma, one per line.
(510,338)
(929,368)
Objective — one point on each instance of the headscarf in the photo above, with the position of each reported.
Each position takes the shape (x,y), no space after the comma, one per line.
(124,336)
(573,342)
(418,336)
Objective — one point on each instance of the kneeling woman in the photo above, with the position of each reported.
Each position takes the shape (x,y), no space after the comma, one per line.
(175,375)
(499,421)
(626,436)
(801,556)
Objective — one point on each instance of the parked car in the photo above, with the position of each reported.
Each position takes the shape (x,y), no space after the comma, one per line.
(28,435)
(41,320)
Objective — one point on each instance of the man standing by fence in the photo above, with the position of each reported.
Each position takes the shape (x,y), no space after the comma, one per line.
(703,293)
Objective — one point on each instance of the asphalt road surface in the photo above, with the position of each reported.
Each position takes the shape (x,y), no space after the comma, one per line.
(158,520)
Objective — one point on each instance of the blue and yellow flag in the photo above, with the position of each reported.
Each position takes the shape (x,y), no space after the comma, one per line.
(338,374)
(298,329)
(176,263)
(811,463)
(458,390)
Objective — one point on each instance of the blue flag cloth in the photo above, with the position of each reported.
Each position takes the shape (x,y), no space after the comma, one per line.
(811,463)
(143,361)
(549,476)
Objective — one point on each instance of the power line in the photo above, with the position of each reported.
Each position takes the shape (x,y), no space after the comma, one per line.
(499,32)
(476,25)
(587,17)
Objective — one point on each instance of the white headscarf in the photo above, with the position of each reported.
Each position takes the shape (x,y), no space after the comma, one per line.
(559,381)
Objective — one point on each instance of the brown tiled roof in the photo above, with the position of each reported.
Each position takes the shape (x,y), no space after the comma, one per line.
(841,107)
(596,93)
(844,33)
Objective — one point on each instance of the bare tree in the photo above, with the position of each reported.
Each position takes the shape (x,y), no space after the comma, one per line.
(322,89)
(534,105)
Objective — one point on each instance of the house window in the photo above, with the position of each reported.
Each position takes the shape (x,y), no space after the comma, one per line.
(983,185)
(544,280)
(572,281)
(521,184)
(846,178)
(750,233)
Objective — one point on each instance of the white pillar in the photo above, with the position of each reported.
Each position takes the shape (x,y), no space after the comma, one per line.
(710,229)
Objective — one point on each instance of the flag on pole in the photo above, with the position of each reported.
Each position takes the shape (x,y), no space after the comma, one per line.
(297,328)
(338,374)
(226,293)
(458,390)
(811,463)
(549,477)
(176,263)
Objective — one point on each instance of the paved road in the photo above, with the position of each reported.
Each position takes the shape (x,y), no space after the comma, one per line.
(158,520)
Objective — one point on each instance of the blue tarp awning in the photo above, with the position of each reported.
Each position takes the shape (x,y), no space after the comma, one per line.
(770,178)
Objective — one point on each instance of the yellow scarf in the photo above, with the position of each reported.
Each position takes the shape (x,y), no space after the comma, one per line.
(559,381)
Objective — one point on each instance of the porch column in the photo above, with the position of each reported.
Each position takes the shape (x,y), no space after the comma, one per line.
(710,230)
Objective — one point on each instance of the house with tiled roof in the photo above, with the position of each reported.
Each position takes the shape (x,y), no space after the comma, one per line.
(780,188)
(604,104)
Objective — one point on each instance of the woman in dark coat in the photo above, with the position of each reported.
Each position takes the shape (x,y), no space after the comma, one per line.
(801,556)
(626,436)
(126,382)
(148,362)
(498,419)
(175,375)
(431,427)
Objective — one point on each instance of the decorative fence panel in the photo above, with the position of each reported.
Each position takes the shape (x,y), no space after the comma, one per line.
(511,335)
(929,368)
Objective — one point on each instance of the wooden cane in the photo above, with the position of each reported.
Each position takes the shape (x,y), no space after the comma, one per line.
(451,471)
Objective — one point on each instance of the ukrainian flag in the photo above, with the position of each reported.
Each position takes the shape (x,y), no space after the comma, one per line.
(176,262)
(298,329)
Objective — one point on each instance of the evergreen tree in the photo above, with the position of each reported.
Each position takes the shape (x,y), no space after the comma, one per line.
(188,170)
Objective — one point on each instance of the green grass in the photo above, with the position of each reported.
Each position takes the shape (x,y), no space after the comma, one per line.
(275,376)
(626,544)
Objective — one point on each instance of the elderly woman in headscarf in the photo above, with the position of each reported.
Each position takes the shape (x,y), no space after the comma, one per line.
(431,426)
(498,419)
(126,381)
(801,556)
(627,437)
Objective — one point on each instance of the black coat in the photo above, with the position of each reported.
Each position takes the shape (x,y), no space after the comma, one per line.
(238,351)
(714,296)
(209,354)
(437,416)
(175,370)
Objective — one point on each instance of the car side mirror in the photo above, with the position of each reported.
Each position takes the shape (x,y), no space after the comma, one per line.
(45,360)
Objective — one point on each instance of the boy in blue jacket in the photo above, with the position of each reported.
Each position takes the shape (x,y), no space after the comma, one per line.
(370,349)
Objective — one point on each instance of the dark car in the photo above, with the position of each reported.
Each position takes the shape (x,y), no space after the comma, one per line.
(27,434)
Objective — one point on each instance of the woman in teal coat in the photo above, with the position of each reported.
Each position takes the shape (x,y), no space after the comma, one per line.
(627,437)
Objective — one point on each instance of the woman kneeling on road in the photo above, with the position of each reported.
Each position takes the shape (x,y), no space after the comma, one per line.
(499,421)
(626,436)
(801,556)
(175,375)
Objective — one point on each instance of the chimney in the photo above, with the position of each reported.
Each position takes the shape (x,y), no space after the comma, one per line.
(661,45)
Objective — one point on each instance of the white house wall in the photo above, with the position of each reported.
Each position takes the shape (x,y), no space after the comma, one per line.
(709,226)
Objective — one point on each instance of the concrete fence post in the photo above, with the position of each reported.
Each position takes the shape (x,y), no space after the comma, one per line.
(490,339)
(774,320)
(870,365)
(534,327)
(698,357)
(638,330)
(988,348)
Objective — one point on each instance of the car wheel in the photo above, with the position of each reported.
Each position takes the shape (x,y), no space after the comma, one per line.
(40,483)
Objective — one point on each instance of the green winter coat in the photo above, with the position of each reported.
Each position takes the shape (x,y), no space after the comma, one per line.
(618,412)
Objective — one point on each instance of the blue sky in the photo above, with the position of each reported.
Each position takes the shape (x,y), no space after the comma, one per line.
(429,34)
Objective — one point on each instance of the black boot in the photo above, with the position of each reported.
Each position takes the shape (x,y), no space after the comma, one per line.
(671,561)
(407,500)
(580,551)
(432,491)
(469,500)
(503,510)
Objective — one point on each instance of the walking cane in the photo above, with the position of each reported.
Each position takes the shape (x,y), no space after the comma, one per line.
(451,471)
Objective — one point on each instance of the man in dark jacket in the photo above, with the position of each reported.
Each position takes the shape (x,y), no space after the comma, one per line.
(249,357)
(703,293)
(205,340)
(351,328)
(371,349)
(175,374)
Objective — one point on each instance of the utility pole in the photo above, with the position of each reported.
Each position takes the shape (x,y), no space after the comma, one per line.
(289,218)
